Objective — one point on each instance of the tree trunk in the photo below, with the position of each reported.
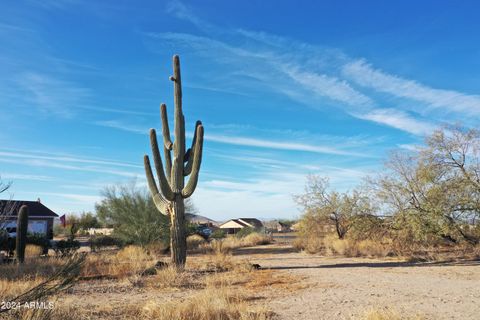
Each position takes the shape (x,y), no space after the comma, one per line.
(178,239)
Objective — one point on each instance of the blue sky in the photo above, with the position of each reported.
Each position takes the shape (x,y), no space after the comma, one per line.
(284,89)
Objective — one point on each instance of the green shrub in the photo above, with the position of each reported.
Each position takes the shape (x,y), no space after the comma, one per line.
(218,234)
(244,232)
(66,247)
(102,241)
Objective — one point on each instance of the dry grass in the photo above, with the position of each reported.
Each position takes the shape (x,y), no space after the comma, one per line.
(388,314)
(213,286)
(312,244)
(195,241)
(256,239)
(228,244)
(209,304)
(128,261)
(33,251)
(352,248)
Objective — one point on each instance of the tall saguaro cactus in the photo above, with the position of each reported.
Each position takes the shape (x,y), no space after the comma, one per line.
(169,196)
(22,226)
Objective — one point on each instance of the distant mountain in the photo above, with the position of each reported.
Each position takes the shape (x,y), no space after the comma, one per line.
(195,218)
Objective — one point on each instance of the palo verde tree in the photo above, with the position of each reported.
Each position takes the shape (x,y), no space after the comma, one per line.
(169,196)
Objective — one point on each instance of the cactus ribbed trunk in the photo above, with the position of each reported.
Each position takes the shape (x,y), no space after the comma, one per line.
(169,196)
(22,226)
(178,241)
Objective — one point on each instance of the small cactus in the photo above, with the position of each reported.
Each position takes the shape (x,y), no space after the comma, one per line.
(22,226)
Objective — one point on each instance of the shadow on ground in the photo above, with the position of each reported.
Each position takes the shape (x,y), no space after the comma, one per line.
(272,250)
(392,264)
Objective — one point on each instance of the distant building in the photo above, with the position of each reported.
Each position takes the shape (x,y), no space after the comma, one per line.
(200,220)
(234,225)
(40,218)
(277,226)
(100,231)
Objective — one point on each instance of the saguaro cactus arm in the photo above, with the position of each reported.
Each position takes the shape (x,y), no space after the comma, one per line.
(197,160)
(191,152)
(165,129)
(164,183)
(160,202)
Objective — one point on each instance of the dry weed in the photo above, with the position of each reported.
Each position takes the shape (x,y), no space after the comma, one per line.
(33,251)
(209,304)
(388,314)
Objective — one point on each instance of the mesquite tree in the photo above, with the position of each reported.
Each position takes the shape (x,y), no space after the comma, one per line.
(169,198)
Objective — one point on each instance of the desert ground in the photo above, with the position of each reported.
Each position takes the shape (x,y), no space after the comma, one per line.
(296,285)
(347,288)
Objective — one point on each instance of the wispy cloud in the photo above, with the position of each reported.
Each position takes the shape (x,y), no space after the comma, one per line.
(70,163)
(63,158)
(183,12)
(50,95)
(29,177)
(244,141)
(398,119)
(117,124)
(366,75)
(283,145)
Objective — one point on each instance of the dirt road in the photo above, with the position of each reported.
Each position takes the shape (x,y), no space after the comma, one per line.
(345,288)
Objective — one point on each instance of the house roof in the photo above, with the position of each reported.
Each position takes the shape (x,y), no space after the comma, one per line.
(245,222)
(35,208)
(252,222)
(196,218)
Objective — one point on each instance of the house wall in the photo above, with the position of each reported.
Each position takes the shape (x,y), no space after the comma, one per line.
(49,225)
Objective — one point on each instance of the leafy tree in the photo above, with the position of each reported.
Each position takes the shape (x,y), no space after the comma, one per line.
(435,191)
(133,215)
(322,206)
(88,220)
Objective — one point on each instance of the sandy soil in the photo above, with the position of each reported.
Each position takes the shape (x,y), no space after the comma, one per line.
(345,288)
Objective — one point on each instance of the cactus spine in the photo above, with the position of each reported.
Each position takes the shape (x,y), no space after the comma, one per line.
(169,196)
(22,226)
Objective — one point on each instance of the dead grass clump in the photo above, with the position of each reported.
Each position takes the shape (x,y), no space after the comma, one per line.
(39,267)
(255,239)
(230,243)
(195,241)
(356,248)
(170,278)
(220,262)
(33,251)
(210,304)
(388,314)
(372,248)
(312,244)
(129,261)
